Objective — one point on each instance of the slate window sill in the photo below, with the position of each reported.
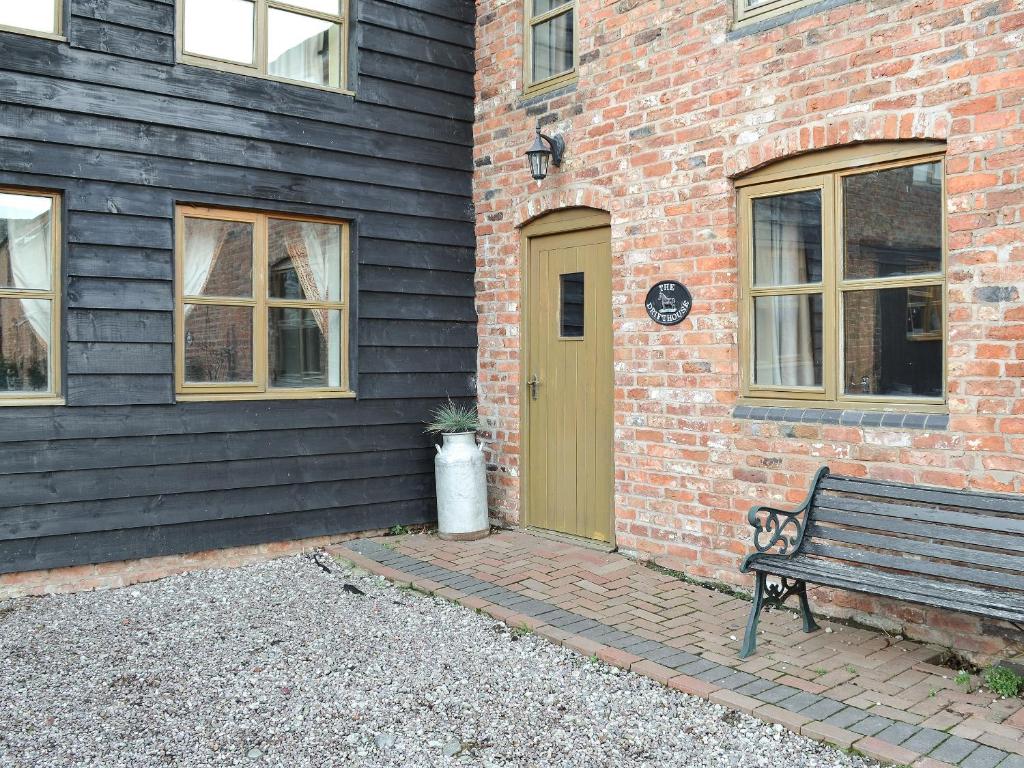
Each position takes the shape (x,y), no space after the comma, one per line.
(533,100)
(781,19)
(935,422)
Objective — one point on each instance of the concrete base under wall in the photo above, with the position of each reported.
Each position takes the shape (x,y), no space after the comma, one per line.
(86,578)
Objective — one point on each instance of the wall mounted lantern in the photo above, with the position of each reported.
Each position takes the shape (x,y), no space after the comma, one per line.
(546,150)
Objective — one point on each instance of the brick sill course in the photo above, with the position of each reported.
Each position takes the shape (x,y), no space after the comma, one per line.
(714,682)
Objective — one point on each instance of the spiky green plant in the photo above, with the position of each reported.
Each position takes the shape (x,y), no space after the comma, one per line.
(452,418)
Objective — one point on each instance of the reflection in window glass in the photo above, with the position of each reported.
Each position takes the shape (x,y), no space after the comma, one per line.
(218,258)
(892,221)
(543,6)
(26,265)
(305,347)
(24,345)
(323,6)
(553,47)
(893,342)
(305,260)
(36,15)
(26,242)
(788,341)
(218,344)
(304,48)
(572,302)
(787,239)
(220,29)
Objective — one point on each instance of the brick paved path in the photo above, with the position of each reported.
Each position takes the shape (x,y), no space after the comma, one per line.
(850,687)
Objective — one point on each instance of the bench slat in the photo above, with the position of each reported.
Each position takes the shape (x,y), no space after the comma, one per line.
(990,502)
(931,515)
(959,573)
(990,603)
(981,557)
(984,538)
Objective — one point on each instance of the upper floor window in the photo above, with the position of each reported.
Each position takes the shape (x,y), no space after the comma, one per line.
(843,278)
(755,10)
(34,16)
(29,297)
(550,44)
(301,41)
(261,305)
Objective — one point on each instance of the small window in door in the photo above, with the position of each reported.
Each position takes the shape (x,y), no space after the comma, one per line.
(572,306)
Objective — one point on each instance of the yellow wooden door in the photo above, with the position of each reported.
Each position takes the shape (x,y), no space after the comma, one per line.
(568,394)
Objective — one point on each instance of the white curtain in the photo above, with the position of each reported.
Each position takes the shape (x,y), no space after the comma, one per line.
(29,245)
(316,256)
(203,240)
(783,333)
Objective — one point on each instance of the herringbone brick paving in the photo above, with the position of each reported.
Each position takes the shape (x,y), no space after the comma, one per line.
(845,685)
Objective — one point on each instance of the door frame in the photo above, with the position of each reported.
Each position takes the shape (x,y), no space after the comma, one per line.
(559,222)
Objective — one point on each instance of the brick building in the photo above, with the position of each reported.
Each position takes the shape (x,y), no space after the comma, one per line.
(867,156)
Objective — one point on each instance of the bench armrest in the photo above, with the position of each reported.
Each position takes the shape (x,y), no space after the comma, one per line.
(778,532)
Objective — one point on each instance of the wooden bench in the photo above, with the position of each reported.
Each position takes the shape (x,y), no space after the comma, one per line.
(958,550)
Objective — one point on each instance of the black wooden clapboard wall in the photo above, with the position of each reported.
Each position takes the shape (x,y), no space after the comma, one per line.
(124,133)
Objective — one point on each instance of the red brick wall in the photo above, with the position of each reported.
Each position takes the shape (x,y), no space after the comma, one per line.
(667,110)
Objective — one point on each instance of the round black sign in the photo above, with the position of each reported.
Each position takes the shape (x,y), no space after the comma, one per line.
(669,302)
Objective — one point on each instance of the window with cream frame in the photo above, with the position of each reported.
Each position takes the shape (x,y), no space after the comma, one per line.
(551,55)
(41,18)
(749,11)
(29,297)
(843,279)
(261,305)
(297,41)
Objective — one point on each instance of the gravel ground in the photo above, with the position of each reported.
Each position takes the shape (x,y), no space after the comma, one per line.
(278,665)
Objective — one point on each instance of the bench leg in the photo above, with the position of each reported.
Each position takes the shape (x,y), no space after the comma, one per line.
(805,610)
(750,639)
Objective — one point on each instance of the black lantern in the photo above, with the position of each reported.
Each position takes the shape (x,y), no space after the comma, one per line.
(546,150)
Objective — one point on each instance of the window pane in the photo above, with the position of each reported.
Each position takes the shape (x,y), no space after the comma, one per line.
(543,6)
(218,258)
(787,239)
(218,344)
(552,47)
(305,260)
(24,345)
(38,15)
(572,306)
(324,6)
(221,29)
(788,341)
(305,348)
(304,48)
(893,342)
(26,247)
(892,221)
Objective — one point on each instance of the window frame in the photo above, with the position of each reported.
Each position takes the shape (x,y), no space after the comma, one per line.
(744,15)
(261,304)
(58,26)
(260,67)
(531,87)
(826,171)
(54,395)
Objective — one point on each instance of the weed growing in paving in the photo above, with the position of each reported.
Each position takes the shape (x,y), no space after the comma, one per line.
(1004,681)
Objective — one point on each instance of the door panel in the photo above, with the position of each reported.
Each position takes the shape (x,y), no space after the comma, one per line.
(568,473)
